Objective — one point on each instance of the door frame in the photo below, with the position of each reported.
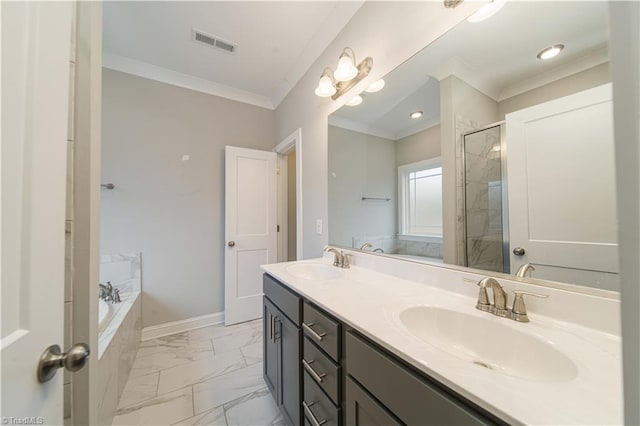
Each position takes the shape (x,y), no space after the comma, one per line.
(288,144)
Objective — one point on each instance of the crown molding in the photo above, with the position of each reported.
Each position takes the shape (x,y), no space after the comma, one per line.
(165,75)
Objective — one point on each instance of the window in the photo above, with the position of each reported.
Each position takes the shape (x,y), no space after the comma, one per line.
(420,200)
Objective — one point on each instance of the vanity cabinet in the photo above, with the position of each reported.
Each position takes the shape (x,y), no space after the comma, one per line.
(323,372)
(282,348)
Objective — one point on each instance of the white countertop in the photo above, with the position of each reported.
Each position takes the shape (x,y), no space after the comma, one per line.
(371,302)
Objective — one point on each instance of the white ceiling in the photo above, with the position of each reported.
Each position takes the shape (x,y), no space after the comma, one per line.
(497,56)
(277,42)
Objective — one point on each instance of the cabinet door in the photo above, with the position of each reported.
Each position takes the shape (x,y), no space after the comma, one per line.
(270,362)
(363,410)
(288,335)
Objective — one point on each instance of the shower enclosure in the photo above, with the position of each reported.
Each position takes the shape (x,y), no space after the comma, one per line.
(486,236)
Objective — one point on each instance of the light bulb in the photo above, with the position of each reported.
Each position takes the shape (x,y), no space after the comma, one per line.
(325,87)
(356,100)
(375,86)
(416,114)
(346,70)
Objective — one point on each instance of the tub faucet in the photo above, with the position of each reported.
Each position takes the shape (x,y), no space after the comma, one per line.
(499,306)
(522,270)
(106,291)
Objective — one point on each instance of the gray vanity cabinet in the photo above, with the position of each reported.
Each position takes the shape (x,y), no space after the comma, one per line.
(282,348)
(323,372)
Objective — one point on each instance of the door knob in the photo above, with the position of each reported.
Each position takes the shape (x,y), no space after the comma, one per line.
(52,359)
(518,251)
(231,243)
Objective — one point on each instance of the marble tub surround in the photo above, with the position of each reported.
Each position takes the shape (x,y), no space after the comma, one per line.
(124,271)
(398,245)
(384,287)
(211,375)
(118,348)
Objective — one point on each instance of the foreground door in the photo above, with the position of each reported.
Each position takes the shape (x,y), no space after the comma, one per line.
(562,205)
(250,229)
(35,92)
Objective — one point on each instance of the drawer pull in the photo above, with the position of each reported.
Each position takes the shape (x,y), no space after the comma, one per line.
(310,416)
(311,332)
(271,327)
(317,376)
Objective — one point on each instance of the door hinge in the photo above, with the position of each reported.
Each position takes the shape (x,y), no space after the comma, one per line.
(277,228)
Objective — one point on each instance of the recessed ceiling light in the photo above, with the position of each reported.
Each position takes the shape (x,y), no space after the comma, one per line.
(356,100)
(416,114)
(375,86)
(550,52)
(486,11)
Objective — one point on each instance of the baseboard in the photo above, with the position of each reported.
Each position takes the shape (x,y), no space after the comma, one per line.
(174,327)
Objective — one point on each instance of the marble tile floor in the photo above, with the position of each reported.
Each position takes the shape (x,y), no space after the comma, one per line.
(208,376)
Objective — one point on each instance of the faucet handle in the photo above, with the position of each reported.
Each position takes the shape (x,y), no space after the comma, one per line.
(346,261)
(483,298)
(519,310)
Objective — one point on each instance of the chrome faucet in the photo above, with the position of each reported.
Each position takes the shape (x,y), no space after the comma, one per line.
(108,293)
(340,259)
(366,246)
(523,269)
(499,306)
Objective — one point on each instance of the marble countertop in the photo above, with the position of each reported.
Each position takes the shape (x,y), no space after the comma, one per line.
(371,302)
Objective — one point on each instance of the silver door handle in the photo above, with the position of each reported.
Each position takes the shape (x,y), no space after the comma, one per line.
(518,251)
(317,376)
(310,416)
(52,359)
(310,331)
(231,243)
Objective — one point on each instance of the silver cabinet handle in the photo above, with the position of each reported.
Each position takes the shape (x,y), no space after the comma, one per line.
(317,376)
(276,322)
(271,327)
(318,336)
(231,243)
(52,358)
(310,416)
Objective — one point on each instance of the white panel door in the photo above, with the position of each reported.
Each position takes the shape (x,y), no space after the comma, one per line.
(36,42)
(250,228)
(560,165)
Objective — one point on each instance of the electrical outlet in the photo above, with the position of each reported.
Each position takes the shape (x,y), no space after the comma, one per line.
(319,226)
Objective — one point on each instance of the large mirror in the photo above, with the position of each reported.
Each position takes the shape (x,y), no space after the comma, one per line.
(484,150)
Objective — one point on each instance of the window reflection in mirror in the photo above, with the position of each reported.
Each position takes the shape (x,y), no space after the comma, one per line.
(525,148)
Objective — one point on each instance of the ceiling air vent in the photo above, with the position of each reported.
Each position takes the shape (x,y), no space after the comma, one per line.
(213,41)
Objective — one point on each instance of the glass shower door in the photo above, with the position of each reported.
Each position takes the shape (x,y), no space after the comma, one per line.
(485,238)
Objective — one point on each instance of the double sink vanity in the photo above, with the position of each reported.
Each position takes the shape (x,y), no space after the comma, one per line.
(394,342)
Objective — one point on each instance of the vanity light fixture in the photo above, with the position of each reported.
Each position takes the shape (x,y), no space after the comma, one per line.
(416,114)
(376,86)
(346,69)
(550,52)
(486,11)
(326,85)
(345,77)
(356,100)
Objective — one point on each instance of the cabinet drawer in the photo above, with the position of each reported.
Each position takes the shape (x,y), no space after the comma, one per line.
(323,371)
(286,300)
(408,396)
(321,329)
(317,407)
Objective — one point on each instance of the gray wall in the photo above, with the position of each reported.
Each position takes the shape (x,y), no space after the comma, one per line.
(169,209)
(583,80)
(360,165)
(419,146)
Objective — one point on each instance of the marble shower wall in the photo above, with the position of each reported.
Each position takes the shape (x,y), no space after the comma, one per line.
(483,200)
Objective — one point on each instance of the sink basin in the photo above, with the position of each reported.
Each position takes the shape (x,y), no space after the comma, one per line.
(489,344)
(314,271)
